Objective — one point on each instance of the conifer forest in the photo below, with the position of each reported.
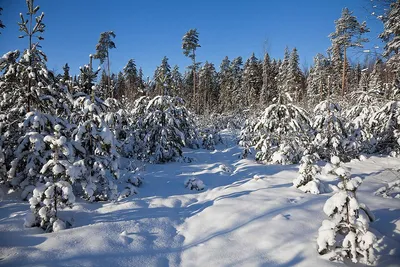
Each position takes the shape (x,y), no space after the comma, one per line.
(255,161)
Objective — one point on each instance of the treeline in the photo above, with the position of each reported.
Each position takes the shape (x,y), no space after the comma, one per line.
(254,83)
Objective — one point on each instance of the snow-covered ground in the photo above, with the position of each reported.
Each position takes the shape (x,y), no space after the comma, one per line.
(248,215)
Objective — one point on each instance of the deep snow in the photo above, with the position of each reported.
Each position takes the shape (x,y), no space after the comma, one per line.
(248,215)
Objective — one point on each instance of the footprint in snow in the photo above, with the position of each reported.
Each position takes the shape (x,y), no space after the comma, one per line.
(125,238)
(281,217)
(225,168)
(294,200)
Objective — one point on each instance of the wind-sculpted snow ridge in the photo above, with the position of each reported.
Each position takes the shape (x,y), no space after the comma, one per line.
(251,216)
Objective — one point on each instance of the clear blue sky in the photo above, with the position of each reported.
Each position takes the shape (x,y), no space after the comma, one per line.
(149,30)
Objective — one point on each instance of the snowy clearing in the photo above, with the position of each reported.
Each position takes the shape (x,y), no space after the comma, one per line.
(251,216)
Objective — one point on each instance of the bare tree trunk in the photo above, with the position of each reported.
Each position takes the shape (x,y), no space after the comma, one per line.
(196,107)
(30,61)
(320,91)
(109,75)
(90,71)
(344,73)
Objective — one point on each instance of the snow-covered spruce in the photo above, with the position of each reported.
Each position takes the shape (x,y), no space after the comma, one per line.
(335,168)
(345,234)
(131,186)
(165,126)
(308,170)
(385,125)
(46,200)
(27,115)
(331,136)
(96,149)
(246,138)
(282,132)
(194,184)
(210,138)
(32,152)
(118,120)
(361,137)
(56,192)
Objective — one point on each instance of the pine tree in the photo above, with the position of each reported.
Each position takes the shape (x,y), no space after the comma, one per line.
(102,53)
(348,33)
(190,43)
(33,54)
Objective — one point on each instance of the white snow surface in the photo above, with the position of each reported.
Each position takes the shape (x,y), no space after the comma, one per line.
(236,221)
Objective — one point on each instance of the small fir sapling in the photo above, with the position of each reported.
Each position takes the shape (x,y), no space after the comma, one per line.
(282,132)
(331,135)
(194,184)
(345,234)
(55,191)
(308,170)
(96,149)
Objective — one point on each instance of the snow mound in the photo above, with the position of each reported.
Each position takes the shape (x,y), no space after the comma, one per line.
(194,184)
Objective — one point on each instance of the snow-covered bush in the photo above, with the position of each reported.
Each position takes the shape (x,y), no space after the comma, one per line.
(46,200)
(165,126)
(210,138)
(232,121)
(282,133)
(118,121)
(32,152)
(385,125)
(335,168)
(391,190)
(308,170)
(96,149)
(225,168)
(194,184)
(346,234)
(131,185)
(247,137)
(360,135)
(331,136)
